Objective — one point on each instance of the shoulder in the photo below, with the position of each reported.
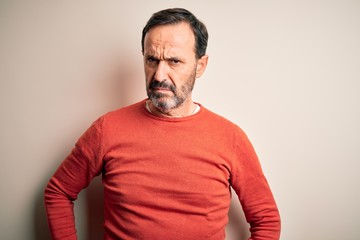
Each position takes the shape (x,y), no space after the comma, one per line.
(127,112)
(218,120)
(121,117)
(221,124)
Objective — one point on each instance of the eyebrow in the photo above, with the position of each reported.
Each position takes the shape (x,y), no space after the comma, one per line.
(147,56)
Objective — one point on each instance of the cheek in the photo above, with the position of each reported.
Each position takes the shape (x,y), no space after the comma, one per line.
(179,74)
(149,72)
(182,75)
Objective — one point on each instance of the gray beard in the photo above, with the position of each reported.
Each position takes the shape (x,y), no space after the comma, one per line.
(165,103)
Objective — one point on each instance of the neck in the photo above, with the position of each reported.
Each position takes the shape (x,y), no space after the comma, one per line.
(186,109)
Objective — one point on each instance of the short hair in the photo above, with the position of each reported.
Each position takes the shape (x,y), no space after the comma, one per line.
(176,16)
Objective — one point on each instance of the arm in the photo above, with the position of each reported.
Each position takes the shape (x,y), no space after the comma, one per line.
(74,174)
(254,193)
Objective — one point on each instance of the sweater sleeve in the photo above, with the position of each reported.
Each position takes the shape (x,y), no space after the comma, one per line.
(74,174)
(256,198)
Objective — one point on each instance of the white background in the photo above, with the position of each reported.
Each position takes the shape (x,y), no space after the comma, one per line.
(287,72)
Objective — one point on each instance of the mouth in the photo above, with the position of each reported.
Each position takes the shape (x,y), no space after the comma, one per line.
(161,87)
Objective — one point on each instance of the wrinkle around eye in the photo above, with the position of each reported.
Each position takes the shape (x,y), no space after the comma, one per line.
(152,61)
(174,61)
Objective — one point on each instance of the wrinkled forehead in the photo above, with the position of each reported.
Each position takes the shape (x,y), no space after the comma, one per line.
(175,37)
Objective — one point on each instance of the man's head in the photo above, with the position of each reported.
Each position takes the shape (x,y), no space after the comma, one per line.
(175,16)
(174,46)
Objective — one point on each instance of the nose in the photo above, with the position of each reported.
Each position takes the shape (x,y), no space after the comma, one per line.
(162,71)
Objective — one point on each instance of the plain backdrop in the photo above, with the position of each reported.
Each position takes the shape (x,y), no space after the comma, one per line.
(287,72)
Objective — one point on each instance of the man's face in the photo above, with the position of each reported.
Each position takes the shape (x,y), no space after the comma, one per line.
(170,65)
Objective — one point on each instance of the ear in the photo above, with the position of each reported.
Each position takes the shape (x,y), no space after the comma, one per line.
(201,65)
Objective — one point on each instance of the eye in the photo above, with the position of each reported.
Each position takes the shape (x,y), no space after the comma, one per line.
(151,59)
(175,61)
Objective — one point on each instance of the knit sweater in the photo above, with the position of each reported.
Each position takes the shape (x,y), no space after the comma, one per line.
(164,178)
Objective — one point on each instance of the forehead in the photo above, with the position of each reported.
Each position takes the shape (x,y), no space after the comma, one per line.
(174,36)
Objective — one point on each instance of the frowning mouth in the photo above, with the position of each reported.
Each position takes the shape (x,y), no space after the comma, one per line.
(161,89)
(161,86)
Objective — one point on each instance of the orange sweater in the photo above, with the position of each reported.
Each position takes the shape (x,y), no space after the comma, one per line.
(164,178)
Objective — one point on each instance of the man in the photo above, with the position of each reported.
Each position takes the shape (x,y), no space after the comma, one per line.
(167,162)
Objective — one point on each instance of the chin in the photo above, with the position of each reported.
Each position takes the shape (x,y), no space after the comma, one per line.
(164,103)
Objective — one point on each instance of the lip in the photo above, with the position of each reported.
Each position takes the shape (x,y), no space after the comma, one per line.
(162,89)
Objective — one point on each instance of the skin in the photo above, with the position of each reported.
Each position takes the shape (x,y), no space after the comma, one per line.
(171,68)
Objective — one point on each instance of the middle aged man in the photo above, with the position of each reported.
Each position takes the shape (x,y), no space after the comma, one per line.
(167,162)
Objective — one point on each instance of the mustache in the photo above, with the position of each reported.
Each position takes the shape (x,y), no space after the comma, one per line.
(164,84)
